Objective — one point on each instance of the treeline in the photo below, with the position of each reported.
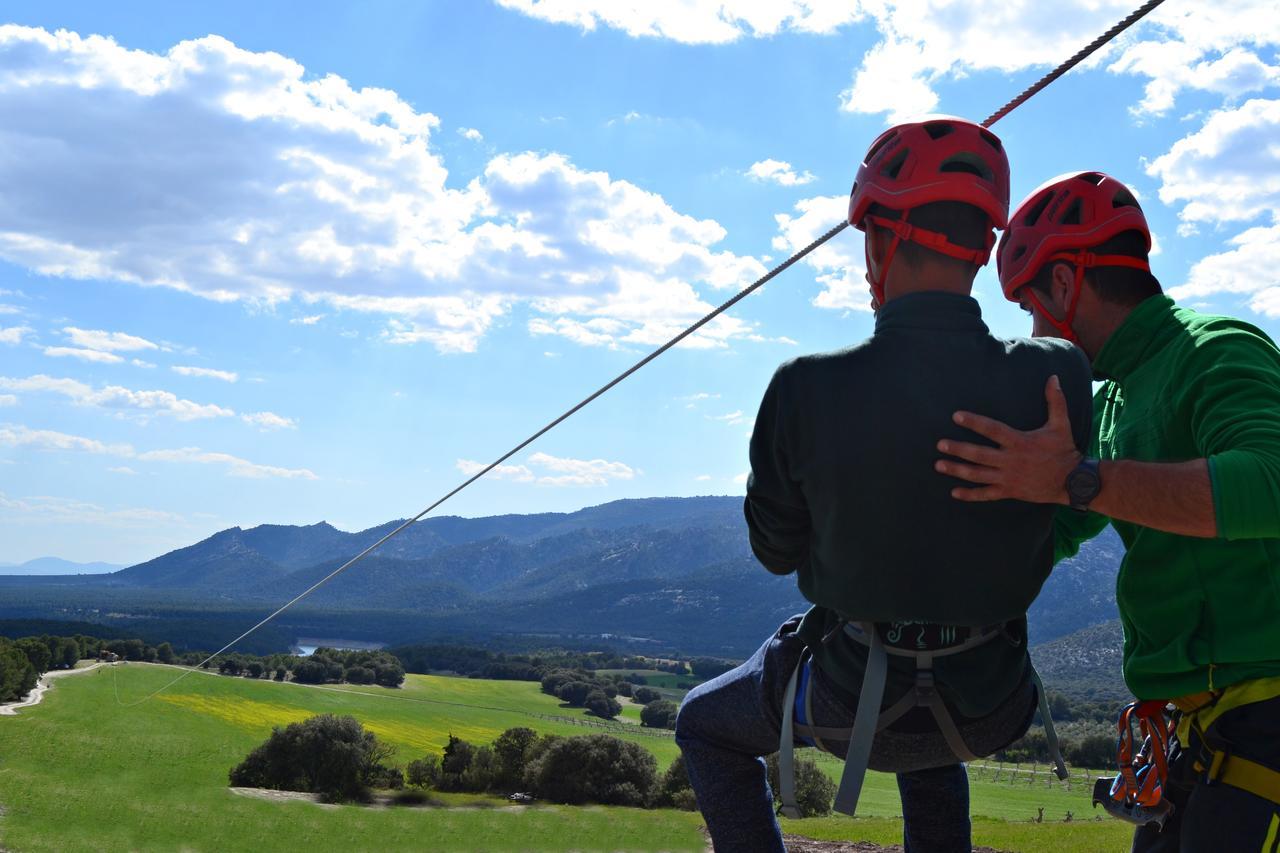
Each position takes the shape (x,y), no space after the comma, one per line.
(324,666)
(24,660)
(534,666)
(1086,734)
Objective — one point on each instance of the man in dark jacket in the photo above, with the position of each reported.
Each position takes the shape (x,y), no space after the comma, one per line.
(919,602)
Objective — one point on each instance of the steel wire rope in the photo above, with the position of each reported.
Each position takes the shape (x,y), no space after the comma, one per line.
(1022,98)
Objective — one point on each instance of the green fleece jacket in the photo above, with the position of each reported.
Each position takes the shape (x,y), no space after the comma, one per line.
(1197,613)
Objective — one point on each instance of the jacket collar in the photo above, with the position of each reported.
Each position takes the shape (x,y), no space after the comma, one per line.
(1142,334)
(931,310)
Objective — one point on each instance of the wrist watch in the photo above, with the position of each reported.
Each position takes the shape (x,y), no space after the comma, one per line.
(1083,484)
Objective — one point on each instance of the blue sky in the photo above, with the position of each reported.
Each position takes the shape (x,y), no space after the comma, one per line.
(288,262)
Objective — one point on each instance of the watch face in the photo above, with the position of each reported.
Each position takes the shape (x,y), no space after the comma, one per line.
(1083,485)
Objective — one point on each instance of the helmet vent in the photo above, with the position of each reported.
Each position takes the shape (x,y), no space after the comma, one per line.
(991,139)
(1094,178)
(969,163)
(1071,216)
(894,166)
(1019,252)
(938,129)
(1124,198)
(880,144)
(1033,215)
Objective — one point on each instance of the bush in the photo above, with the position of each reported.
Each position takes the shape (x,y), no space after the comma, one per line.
(424,772)
(659,714)
(624,689)
(482,774)
(575,692)
(513,749)
(413,797)
(1094,751)
(358,675)
(602,706)
(645,695)
(814,791)
(593,769)
(674,790)
(709,668)
(327,755)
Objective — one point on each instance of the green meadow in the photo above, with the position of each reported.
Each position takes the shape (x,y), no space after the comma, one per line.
(85,771)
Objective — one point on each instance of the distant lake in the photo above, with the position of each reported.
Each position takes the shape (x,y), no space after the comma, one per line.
(307,645)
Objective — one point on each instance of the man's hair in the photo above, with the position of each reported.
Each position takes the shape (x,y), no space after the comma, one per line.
(963,224)
(1121,286)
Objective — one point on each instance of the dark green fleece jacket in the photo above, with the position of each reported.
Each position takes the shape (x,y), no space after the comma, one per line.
(844,493)
(1197,613)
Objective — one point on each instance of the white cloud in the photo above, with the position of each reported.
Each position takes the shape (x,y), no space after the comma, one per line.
(269,420)
(107,341)
(309,320)
(515,473)
(272,183)
(1252,268)
(1229,170)
(778,172)
(555,471)
(9,309)
(14,334)
(207,373)
(117,397)
(579,472)
(16,435)
(137,362)
(236,467)
(123,469)
(471,133)
(695,21)
(55,510)
(691,401)
(8,400)
(702,478)
(741,479)
(83,354)
(838,262)
(734,418)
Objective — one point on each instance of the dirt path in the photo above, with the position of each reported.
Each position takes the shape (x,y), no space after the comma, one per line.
(37,693)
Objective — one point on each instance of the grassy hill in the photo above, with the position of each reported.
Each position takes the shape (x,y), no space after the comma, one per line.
(85,771)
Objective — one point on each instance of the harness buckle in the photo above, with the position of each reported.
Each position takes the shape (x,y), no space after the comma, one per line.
(925,686)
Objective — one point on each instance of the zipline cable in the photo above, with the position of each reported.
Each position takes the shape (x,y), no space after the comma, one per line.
(742,294)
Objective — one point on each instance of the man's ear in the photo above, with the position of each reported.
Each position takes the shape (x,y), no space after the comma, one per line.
(1062,281)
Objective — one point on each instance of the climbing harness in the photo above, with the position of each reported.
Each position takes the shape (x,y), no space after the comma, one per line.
(724,306)
(1136,793)
(930,642)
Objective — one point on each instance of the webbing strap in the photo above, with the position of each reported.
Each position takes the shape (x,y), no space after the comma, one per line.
(786,747)
(1257,779)
(864,635)
(1050,733)
(864,727)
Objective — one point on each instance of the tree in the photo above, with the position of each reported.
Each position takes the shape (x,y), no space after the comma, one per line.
(575,692)
(66,653)
(482,773)
(458,755)
(358,675)
(37,653)
(281,673)
(814,791)
(602,706)
(17,675)
(645,695)
(1094,751)
(659,714)
(594,769)
(674,789)
(624,688)
(424,772)
(310,672)
(709,667)
(328,755)
(255,669)
(164,653)
(512,749)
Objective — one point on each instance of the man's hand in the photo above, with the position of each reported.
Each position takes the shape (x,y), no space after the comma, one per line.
(1027,466)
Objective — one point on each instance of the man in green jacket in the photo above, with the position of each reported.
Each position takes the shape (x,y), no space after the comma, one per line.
(1184,462)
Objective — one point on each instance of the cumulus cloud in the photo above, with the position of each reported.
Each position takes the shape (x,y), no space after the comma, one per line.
(555,471)
(207,373)
(17,435)
(45,509)
(695,21)
(83,354)
(96,339)
(8,400)
(309,320)
(272,183)
(117,397)
(471,133)
(14,334)
(269,421)
(838,262)
(1251,268)
(778,172)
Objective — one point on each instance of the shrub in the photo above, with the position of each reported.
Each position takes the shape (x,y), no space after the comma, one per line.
(424,772)
(814,791)
(413,797)
(624,688)
(513,749)
(1095,751)
(602,706)
(593,769)
(674,789)
(358,675)
(659,714)
(327,755)
(575,692)
(482,773)
(645,695)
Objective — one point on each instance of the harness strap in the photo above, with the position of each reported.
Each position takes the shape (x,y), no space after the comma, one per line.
(1050,733)
(864,728)
(1239,772)
(786,747)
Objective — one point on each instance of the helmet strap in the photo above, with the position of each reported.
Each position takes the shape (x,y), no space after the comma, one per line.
(932,240)
(1082,261)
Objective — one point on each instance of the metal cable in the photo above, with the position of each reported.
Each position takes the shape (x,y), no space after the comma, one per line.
(757,284)
(1079,57)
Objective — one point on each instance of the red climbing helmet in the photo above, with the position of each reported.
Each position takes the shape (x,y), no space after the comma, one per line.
(941,158)
(1060,221)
